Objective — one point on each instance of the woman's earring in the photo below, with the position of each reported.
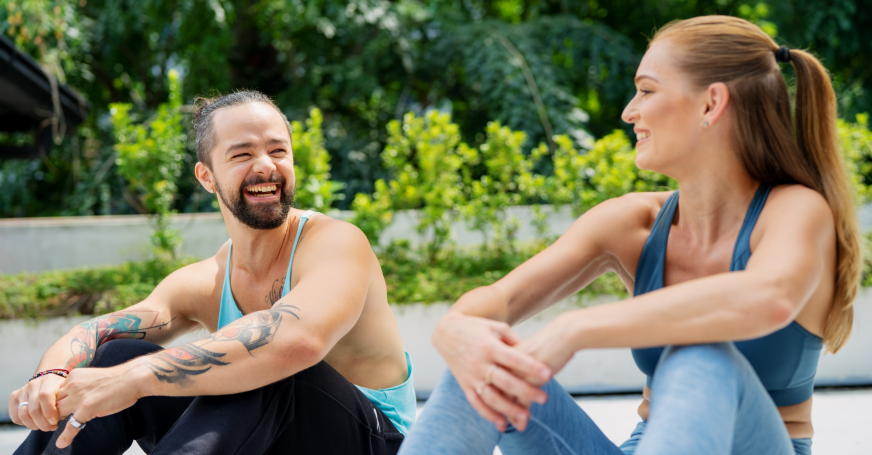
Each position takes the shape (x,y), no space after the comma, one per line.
(705,124)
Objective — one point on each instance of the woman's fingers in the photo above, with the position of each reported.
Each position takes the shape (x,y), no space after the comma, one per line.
(522,365)
(499,402)
(512,386)
(485,411)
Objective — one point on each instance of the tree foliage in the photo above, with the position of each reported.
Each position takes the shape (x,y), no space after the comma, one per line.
(542,67)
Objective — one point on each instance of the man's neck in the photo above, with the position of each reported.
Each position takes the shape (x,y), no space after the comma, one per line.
(256,250)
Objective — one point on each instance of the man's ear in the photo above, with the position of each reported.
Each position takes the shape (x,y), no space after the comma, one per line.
(715,99)
(204,175)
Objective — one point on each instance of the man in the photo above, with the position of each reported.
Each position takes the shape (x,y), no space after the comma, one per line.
(302,362)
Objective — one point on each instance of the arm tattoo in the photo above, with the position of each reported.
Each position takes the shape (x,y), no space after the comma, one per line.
(177,365)
(93,333)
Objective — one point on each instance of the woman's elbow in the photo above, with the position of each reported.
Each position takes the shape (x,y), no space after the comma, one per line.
(779,307)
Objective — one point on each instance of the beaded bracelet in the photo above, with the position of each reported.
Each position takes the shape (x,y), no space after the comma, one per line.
(58,371)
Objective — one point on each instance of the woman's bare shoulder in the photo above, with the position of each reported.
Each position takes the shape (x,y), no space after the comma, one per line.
(633,210)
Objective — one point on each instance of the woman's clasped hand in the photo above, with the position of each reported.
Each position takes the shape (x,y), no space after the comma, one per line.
(493,365)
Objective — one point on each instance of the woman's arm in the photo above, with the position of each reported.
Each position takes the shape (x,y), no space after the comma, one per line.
(795,254)
(475,338)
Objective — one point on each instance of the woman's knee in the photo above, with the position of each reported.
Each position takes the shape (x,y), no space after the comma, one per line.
(720,360)
(116,352)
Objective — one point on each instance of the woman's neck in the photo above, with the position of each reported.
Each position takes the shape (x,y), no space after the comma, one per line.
(713,204)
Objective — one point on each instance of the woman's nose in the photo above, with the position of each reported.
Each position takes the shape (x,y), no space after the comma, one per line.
(631,113)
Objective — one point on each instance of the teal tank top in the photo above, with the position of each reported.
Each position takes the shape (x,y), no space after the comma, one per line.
(785,361)
(397,403)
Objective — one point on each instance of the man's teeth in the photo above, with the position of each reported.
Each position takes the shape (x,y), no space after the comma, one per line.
(268,189)
(642,135)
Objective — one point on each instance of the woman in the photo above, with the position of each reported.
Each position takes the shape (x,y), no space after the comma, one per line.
(712,110)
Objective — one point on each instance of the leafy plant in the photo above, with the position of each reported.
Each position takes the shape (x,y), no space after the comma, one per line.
(150,158)
(314,187)
(583,180)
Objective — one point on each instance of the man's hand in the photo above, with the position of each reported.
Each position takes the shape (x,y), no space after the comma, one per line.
(95,392)
(40,412)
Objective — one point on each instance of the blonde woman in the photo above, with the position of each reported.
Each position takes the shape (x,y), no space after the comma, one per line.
(744,279)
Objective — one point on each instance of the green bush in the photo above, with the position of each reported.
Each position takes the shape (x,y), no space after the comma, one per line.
(314,189)
(447,181)
(151,159)
(85,290)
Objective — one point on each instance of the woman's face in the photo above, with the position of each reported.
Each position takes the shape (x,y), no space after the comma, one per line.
(667,113)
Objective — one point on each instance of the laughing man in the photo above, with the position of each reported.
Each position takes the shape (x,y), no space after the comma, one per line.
(302,362)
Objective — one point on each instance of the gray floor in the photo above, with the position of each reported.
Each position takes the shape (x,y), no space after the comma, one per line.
(841,418)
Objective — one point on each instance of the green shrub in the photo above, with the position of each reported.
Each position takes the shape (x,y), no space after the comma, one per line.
(314,189)
(85,290)
(151,158)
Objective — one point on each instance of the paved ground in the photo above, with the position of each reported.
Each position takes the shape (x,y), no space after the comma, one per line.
(841,418)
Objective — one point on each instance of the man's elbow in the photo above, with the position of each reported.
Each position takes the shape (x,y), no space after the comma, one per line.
(302,351)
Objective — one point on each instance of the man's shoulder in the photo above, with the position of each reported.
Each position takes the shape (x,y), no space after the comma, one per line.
(335,232)
(199,278)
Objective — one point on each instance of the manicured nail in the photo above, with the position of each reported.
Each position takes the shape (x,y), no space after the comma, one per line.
(545,374)
(542,399)
(52,421)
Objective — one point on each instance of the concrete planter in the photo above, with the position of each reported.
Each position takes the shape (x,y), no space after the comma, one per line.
(22,344)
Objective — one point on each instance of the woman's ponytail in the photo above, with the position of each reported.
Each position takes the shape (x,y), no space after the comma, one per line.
(817,137)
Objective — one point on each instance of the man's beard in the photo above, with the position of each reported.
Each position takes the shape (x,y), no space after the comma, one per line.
(261,216)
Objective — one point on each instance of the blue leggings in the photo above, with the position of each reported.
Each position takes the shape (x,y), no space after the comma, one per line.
(705,399)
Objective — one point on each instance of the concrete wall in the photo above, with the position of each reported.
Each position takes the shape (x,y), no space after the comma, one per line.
(37,244)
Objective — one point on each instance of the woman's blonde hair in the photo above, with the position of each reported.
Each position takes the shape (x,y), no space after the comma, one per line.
(775,147)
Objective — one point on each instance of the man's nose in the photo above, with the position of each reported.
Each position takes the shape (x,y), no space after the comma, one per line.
(263,164)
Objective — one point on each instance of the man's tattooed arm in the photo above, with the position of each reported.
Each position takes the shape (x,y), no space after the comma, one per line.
(178,365)
(89,335)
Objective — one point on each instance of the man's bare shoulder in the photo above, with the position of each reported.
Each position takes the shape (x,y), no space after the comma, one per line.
(200,279)
(332,233)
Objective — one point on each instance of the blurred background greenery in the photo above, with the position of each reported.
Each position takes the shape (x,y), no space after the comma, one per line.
(457,108)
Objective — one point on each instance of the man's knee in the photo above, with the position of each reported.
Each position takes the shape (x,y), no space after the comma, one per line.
(116,352)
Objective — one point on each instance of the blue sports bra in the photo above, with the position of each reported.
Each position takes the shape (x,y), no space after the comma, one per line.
(398,403)
(785,361)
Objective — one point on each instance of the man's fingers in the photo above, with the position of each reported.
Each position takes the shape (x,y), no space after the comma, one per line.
(13,408)
(70,431)
(522,365)
(47,409)
(511,386)
(485,411)
(34,409)
(497,401)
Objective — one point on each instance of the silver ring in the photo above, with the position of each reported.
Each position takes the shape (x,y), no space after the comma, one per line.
(22,404)
(76,424)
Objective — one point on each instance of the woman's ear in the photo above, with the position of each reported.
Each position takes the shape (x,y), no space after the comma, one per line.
(204,175)
(715,100)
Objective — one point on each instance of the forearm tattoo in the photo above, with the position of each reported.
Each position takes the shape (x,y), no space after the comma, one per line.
(177,365)
(89,335)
